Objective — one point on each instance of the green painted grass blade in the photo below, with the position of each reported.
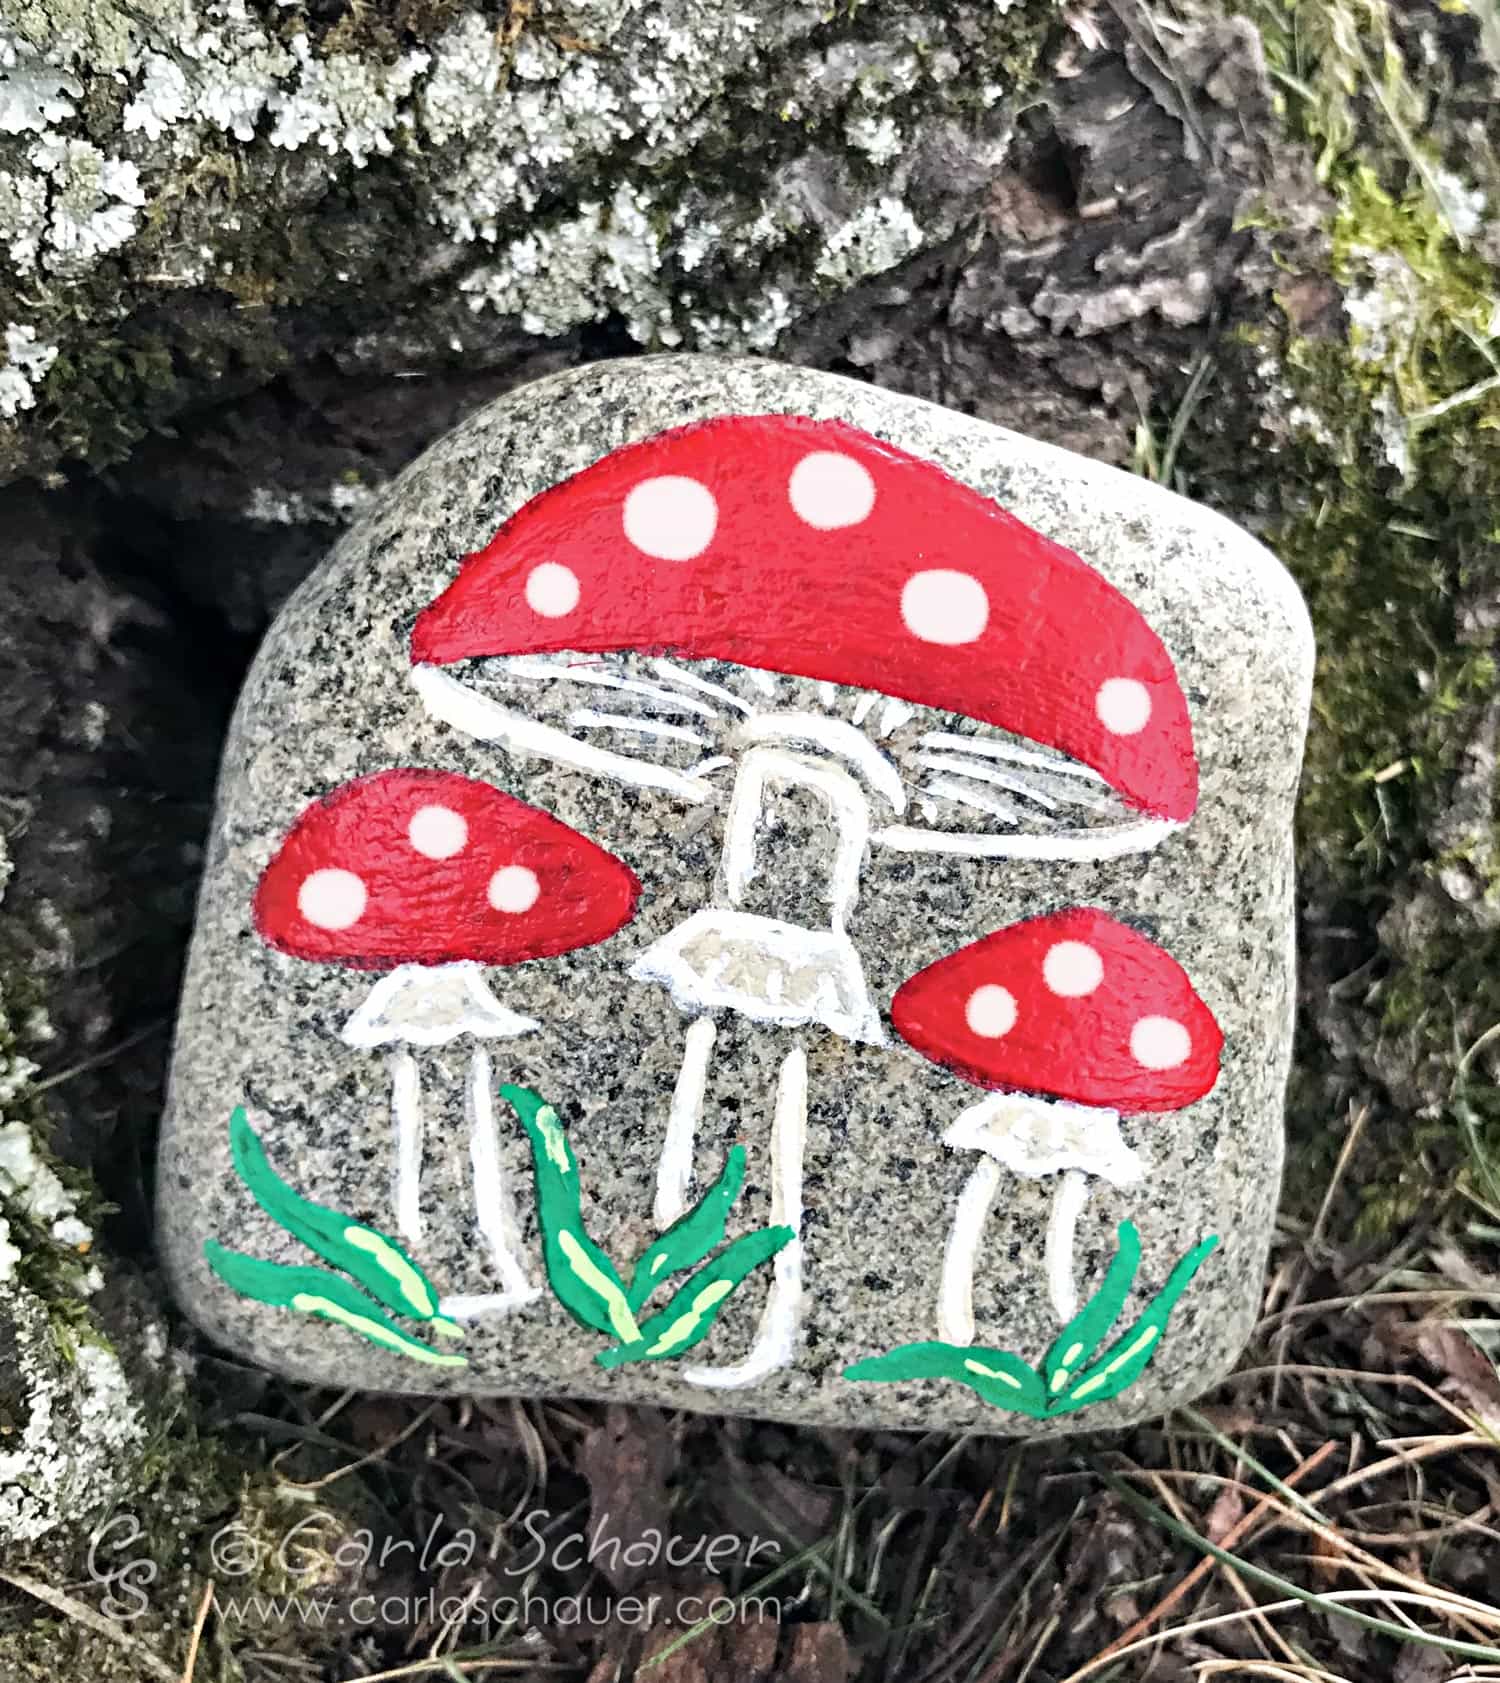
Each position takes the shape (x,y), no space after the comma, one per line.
(998,1377)
(582,1277)
(316,1292)
(1126,1359)
(363,1253)
(695,1305)
(1075,1346)
(688,1240)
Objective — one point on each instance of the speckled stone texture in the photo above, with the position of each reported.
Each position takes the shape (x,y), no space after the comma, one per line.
(330,698)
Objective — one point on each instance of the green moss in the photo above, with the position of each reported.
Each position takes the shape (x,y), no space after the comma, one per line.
(1380,488)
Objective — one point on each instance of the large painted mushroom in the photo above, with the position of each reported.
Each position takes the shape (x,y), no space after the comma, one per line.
(757,604)
(431,877)
(1075,1018)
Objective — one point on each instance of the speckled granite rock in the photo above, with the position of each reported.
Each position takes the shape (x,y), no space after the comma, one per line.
(935,878)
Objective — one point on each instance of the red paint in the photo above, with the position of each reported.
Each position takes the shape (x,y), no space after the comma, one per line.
(433,911)
(772,590)
(1076,1048)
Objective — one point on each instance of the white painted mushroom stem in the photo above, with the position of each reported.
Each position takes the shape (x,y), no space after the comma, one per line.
(775,1344)
(494,1209)
(1034,1137)
(961,1253)
(674,1171)
(431,1005)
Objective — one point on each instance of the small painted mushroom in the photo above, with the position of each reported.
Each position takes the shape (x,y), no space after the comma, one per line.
(1074,1018)
(431,877)
(771,597)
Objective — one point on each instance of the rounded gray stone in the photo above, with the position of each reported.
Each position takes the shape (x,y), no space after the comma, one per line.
(330,698)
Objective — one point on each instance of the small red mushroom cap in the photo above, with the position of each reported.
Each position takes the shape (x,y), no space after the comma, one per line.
(425,867)
(812,548)
(1074,1005)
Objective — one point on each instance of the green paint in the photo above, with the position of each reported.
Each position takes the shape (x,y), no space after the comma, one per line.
(690,1311)
(691,1238)
(992,1373)
(376,1262)
(314,1291)
(620,1318)
(363,1253)
(582,1277)
(553,1138)
(379,1332)
(1058,1387)
(586,1282)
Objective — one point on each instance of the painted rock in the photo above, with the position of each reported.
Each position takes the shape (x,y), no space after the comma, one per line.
(739,890)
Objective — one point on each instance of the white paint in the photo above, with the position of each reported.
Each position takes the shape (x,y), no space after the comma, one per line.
(991,805)
(494,1213)
(586,718)
(893,714)
(1033,1137)
(332,899)
(431,1004)
(834,736)
(840,792)
(1071,846)
(674,1172)
(1160,1043)
(955,1310)
(776,1338)
(714,762)
(1039,1137)
(995,750)
(479,716)
(437,832)
(552,590)
(1102,800)
(514,889)
(1062,1233)
(991,1011)
(1123,706)
(945,607)
(675,674)
(672,518)
(863,705)
(406,1116)
(829,490)
(548,670)
(987,774)
(768,683)
(720,959)
(1072,969)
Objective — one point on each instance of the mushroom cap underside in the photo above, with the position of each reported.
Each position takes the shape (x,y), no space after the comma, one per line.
(812,548)
(426,867)
(1075,1005)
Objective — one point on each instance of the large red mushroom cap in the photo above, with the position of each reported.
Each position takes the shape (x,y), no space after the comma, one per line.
(1075,1005)
(426,867)
(811,548)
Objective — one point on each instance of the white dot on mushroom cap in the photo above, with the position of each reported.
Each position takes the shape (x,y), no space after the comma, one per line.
(1160,1043)
(829,490)
(1123,706)
(437,831)
(672,518)
(991,1011)
(943,606)
(551,590)
(331,899)
(513,888)
(1072,969)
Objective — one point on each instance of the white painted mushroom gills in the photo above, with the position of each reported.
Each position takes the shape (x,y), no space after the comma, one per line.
(1077,1018)
(431,877)
(757,604)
